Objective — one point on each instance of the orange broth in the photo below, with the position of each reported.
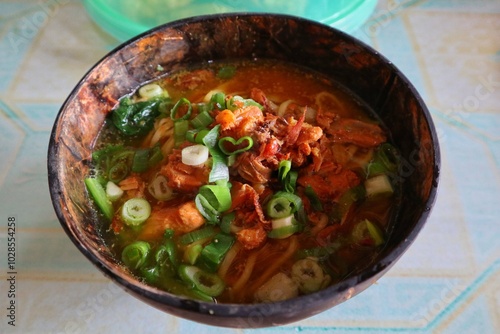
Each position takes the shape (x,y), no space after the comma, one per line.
(334,144)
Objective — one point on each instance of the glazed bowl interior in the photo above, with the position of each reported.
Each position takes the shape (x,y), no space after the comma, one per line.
(368,75)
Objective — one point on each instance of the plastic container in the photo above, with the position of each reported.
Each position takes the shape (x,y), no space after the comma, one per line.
(124,19)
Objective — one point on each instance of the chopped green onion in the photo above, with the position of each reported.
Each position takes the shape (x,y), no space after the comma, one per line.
(150,273)
(180,130)
(236,102)
(319,252)
(113,192)
(168,234)
(218,100)
(283,204)
(202,120)
(113,162)
(118,172)
(192,253)
(309,275)
(375,233)
(150,90)
(386,159)
(348,198)
(136,254)
(212,255)
(367,233)
(375,168)
(194,155)
(191,135)
(159,188)
(167,254)
(283,232)
(378,185)
(135,211)
(141,158)
(283,168)
(98,193)
(286,176)
(389,156)
(201,134)
(226,72)
(183,105)
(283,227)
(203,107)
(313,198)
(291,181)
(196,136)
(230,146)
(226,222)
(205,209)
(219,196)
(146,158)
(208,283)
(219,170)
(193,236)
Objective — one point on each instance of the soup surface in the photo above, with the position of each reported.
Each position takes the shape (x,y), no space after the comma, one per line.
(243,182)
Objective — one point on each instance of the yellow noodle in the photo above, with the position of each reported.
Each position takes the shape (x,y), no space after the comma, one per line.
(167,148)
(164,129)
(245,276)
(228,260)
(292,247)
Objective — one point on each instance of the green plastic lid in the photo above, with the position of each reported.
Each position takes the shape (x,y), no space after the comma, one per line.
(124,19)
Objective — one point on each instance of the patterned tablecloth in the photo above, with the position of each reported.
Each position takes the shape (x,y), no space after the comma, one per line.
(448,282)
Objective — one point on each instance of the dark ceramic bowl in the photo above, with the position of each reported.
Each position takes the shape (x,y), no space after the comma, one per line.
(358,67)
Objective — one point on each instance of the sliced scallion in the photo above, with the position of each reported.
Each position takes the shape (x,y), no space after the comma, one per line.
(283,204)
(159,188)
(313,198)
(231,146)
(283,227)
(193,236)
(219,196)
(202,120)
(180,130)
(136,254)
(181,110)
(378,185)
(150,90)
(218,100)
(135,211)
(212,255)
(219,170)
(113,191)
(194,155)
(192,253)
(208,283)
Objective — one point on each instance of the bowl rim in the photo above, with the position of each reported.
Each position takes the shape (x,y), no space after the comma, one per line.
(241,310)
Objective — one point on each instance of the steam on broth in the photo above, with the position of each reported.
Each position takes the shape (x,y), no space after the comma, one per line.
(243,182)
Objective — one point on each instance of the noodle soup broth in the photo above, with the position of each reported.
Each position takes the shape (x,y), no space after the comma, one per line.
(244,182)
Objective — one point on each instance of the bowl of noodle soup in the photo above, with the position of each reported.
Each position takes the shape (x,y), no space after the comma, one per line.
(243,170)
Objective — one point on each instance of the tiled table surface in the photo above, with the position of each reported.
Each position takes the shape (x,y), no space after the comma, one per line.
(448,282)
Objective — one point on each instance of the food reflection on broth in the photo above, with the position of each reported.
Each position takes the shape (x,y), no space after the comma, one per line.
(243,182)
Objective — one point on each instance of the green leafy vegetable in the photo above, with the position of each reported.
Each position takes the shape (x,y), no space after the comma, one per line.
(98,193)
(136,119)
